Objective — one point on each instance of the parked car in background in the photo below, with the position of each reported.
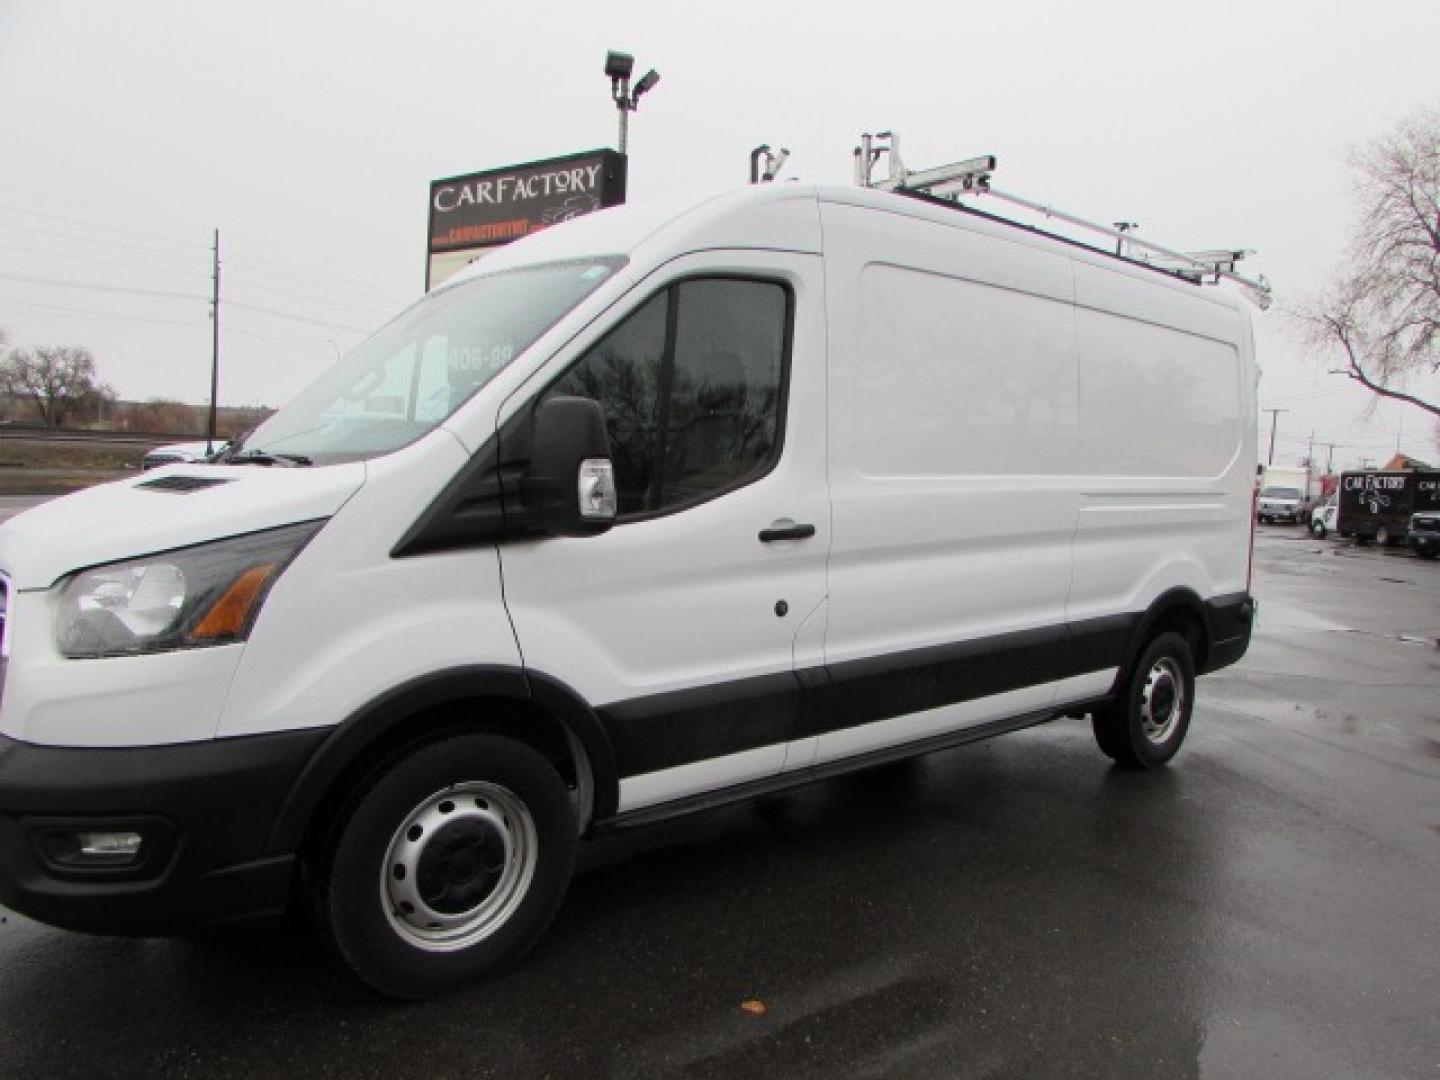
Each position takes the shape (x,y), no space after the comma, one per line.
(1324,519)
(185,453)
(1425,533)
(1279,503)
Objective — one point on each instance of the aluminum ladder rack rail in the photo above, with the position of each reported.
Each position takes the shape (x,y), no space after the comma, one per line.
(951,183)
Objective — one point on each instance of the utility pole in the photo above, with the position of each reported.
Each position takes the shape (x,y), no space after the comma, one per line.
(1329,456)
(214,351)
(1274,416)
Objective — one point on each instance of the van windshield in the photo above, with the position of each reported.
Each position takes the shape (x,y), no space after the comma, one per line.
(413,373)
(1280,493)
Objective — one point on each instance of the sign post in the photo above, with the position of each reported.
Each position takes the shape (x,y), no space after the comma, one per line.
(471,214)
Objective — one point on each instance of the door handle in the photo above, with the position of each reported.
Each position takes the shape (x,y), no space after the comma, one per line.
(786,532)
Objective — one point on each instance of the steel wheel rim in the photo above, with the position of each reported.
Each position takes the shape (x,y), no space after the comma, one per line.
(1162,702)
(458,866)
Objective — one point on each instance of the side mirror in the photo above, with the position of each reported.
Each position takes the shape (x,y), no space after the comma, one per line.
(569,486)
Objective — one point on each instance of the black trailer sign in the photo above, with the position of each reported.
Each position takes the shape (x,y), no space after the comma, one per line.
(471,214)
(1371,501)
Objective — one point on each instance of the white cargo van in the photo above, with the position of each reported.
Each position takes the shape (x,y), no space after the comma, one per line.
(662,508)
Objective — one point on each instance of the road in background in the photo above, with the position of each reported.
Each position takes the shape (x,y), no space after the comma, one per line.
(1265,907)
(10,505)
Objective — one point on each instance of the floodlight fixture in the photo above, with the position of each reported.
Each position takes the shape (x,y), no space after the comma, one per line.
(618,65)
(618,68)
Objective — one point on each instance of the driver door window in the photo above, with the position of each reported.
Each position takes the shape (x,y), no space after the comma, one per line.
(692,387)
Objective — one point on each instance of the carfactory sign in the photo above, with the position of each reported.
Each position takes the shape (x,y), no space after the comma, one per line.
(471,214)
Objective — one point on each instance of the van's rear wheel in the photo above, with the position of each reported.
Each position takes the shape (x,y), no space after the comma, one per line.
(1145,725)
(448,866)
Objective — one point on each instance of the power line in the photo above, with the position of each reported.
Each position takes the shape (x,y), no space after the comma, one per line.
(274,312)
(59,284)
(93,261)
(175,240)
(296,318)
(300,346)
(367,306)
(83,314)
(291,270)
(90,239)
(287,269)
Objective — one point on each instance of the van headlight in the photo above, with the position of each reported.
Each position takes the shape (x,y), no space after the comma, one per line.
(183,599)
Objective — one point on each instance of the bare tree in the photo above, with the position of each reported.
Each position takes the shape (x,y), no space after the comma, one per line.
(1381,314)
(59,381)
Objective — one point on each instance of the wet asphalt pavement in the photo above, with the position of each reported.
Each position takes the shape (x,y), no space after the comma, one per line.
(1269,906)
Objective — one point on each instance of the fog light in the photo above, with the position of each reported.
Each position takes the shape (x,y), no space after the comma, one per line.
(119,847)
(78,849)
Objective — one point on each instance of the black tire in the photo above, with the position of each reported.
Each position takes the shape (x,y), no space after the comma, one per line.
(1430,554)
(1145,725)
(1319,530)
(1361,540)
(479,832)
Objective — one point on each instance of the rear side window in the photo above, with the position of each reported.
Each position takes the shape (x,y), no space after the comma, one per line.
(692,387)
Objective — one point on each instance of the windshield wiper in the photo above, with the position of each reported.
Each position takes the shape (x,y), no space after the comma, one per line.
(265,457)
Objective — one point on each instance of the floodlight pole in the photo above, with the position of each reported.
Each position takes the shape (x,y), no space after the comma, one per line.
(214,351)
(618,67)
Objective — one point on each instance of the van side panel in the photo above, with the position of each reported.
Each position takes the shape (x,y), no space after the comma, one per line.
(952,380)
(1165,442)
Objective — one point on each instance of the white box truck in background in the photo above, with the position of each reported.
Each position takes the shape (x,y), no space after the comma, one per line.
(1287,493)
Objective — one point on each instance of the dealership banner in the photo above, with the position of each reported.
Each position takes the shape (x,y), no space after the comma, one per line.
(471,214)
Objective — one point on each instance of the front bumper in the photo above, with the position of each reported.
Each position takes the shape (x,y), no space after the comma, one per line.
(1425,541)
(204,811)
(1278,513)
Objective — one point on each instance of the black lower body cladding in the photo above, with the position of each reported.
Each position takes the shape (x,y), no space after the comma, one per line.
(204,812)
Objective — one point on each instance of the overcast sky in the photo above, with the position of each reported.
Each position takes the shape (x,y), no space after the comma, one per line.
(308,134)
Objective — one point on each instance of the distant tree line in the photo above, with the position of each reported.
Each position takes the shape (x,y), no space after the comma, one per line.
(58,387)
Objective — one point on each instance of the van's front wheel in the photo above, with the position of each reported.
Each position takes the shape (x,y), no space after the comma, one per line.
(1145,725)
(448,866)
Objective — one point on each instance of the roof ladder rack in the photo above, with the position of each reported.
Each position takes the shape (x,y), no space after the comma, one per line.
(972,177)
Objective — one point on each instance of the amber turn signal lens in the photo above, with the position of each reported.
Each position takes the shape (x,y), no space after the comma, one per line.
(226,617)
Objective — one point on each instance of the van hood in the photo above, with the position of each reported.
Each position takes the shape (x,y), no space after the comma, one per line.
(173,507)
